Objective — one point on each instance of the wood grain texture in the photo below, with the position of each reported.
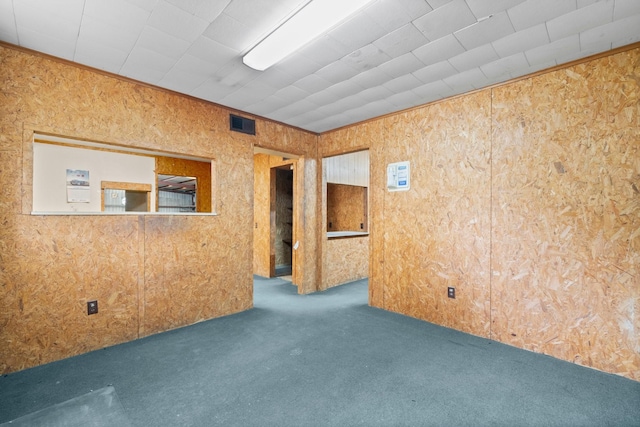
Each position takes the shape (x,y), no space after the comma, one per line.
(261,215)
(367,136)
(437,234)
(347,260)
(148,273)
(566,214)
(525,198)
(280,138)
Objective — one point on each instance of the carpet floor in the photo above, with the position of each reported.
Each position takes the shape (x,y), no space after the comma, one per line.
(326,359)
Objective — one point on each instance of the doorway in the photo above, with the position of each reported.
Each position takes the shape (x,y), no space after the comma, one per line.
(282,227)
(276,196)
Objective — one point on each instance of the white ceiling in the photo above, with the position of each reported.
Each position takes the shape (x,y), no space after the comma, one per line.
(392,55)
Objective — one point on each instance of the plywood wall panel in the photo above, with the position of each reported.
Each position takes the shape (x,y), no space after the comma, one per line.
(437,234)
(345,261)
(261,216)
(341,141)
(76,261)
(188,276)
(149,274)
(566,212)
(277,137)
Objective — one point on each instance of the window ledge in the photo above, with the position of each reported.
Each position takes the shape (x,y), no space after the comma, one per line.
(124,213)
(342,234)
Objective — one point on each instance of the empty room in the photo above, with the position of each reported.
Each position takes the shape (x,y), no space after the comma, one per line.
(323,213)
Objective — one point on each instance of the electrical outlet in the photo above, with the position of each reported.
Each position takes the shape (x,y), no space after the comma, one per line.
(451,292)
(92,307)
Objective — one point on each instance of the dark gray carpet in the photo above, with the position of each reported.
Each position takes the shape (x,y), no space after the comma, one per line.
(328,359)
(100,408)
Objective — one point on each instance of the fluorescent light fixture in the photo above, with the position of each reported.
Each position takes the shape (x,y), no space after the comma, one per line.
(314,19)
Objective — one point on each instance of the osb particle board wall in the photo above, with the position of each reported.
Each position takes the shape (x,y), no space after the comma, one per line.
(525,198)
(283,139)
(344,161)
(149,273)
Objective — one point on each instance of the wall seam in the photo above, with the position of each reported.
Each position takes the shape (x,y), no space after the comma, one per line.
(491,214)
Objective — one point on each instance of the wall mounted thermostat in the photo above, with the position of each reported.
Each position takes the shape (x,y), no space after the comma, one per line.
(398,176)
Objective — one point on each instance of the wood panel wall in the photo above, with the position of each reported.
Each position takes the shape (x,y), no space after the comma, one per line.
(346,208)
(525,198)
(200,170)
(304,146)
(148,273)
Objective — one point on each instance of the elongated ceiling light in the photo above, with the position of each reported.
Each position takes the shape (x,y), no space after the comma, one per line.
(314,19)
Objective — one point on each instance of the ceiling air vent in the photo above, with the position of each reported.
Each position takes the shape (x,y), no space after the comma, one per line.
(241,124)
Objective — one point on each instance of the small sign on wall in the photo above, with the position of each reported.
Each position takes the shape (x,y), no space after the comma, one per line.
(78,186)
(398,176)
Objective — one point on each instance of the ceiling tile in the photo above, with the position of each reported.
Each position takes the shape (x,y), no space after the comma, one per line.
(433,90)
(357,31)
(374,93)
(366,58)
(292,94)
(312,83)
(533,12)
(388,15)
(235,73)
(277,79)
(403,83)
(623,30)
(211,51)
(8,30)
(146,65)
(405,99)
(92,54)
(467,80)
(207,10)
(337,72)
(437,3)
(439,50)
(58,19)
(46,43)
(97,31)
(259,90)
(213,90)
(504,67)
(176,22)
(474,58)
(297,65)
(435,72)
(293,110)
(416,9)
(485,31)
(625,8)
(484,8)
(268,105)
(522,40)
(407,63)
(554,50)
(445,20)
(581,19)
(345,88)
(119,14)
(324,97)
(401,41)
(231,33)
(162,43)
(325,49)
(372,77)
(144,4)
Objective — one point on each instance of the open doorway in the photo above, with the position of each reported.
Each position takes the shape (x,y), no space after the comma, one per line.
(283,221)
(275,199)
